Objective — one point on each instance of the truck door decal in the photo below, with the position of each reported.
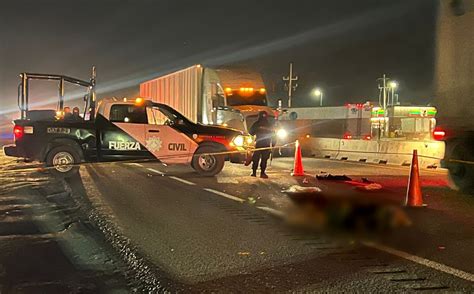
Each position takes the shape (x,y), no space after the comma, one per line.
(124,145)
(170,145)
(177,147)
(153,144)
(165,143)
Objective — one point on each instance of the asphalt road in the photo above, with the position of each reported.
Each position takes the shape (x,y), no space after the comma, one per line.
(224,233)
(46,243)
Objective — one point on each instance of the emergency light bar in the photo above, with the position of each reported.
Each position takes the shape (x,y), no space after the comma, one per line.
(245,90)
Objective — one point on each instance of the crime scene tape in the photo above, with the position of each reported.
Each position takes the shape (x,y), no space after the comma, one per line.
(461,161)
(181,155)
(288,145)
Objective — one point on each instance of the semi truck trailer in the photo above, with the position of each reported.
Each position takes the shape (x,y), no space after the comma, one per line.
(230,97)
(454,83)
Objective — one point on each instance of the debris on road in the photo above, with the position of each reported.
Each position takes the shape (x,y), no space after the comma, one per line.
(295,189)
(365,184)
(331,177)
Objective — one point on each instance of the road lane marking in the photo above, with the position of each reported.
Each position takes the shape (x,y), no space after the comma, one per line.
(134,163)
(423,261)
(224,195)
(182,181)
(271,210)
(155,171)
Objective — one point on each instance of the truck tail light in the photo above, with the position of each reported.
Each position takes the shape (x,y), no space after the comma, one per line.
(347,136)
(439,134)
(18,132)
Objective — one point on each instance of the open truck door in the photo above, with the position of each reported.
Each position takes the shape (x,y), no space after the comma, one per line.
(163,141)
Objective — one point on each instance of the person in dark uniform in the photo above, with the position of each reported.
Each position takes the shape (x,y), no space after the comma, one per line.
(76,115)
(263,130)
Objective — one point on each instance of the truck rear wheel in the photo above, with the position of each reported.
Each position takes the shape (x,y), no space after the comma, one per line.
(206,163)
(462,174)
(62,161)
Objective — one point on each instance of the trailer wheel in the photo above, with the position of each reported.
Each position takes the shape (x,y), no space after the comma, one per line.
(63,161)
(462,174)
(207,164)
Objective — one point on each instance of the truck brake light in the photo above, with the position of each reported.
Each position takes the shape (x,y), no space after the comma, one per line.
(439,134)
(18,132)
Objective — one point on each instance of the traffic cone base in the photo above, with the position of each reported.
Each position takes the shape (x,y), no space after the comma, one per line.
(414,197)
(298,165)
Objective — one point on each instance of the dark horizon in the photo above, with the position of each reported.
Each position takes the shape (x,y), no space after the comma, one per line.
(342,49)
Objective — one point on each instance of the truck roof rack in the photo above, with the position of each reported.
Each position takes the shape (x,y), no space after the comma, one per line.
(23,89)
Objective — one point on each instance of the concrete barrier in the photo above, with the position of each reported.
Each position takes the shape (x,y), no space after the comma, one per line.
(325,148)
(356,150)
(385,151)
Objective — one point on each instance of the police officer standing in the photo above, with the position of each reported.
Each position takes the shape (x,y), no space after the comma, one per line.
(262,129)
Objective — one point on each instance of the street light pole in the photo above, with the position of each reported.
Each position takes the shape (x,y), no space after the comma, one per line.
(319,93)
(393,85)
(393,96)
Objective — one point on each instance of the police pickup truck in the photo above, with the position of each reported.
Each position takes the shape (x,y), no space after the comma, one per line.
(119,130)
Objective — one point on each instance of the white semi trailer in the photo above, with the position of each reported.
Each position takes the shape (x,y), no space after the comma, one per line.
(226,96)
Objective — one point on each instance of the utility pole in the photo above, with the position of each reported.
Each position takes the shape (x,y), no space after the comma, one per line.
(383,103)
(291,87)
(383,89)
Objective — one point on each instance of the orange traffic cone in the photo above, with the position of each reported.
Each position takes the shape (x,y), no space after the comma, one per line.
(298,166)
(414,197)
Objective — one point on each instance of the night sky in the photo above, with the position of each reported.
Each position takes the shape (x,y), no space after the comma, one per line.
(341,46)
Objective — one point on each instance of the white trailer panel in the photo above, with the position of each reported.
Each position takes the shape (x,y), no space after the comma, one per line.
(180,90)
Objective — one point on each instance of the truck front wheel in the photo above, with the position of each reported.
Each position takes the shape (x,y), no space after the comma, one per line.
(461,171)
(63,160)
(206,163)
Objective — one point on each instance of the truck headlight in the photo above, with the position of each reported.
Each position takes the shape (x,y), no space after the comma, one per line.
(239,141)
(282,134)
(249,140)
(242,141)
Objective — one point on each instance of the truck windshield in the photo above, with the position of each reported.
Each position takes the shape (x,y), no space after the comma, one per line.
(251,119)
(236,99)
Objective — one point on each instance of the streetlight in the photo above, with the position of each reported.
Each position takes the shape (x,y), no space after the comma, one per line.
(319,93)
(393,85)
